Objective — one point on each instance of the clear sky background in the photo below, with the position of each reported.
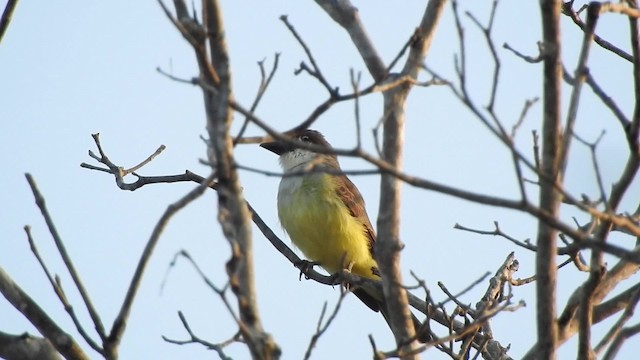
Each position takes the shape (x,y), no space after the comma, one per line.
(72,68)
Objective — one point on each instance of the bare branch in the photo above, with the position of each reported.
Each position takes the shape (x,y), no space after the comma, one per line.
(120,322)
(608,101)
(26,347)
(118,171)
(6,17)
(597,90)
(463,291)
(568,11)
(40,202)
(525,109)
(495,292)
(264,85)
(322,328)
(193,32)
(486,31)
(596,167)
(498,232)
(423,37)
(616,329)
(593,11)
(57,288)
(62,341)
(218,348)
(529,59)
(221,292)
(347,16)
(619,340)
(633,131)
(493,346)
(549,196)
(315,72)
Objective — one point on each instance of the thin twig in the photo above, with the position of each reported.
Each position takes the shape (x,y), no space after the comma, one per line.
(486,31)
(120,322)
(218,348)
(40,202)
(355,84)
(523,114)
(498,232)
(596,167)
(262,88)
(316,72)
(617,327)
(220,291)
(465,290)
(322,328)
(61,295)
(579,79)
(568,11)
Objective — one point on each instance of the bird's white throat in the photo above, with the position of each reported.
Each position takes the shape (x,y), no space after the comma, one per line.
(293,159)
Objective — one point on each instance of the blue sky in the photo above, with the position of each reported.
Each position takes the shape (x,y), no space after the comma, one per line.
(69,69)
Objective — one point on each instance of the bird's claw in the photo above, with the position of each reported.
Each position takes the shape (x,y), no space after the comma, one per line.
(305,266)
(340,275)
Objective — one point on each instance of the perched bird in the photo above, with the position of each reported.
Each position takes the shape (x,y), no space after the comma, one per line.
(324,213)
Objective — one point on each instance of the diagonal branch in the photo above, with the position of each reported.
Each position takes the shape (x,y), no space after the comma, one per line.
(6,17)
(423,37)
(62,341)
(40,202)
(345,14)
(57,288)
(262,89)
(568,11)
(315,72)
(26,347)
(120,323)
(439,316)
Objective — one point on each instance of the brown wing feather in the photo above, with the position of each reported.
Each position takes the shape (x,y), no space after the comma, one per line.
(350,196)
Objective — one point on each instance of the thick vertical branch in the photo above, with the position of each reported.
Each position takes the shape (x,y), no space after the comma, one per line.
(549,196)
(601,283)
(388,246)
(633,132)
(233,214)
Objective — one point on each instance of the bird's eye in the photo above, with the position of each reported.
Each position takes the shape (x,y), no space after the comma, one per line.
(305,138)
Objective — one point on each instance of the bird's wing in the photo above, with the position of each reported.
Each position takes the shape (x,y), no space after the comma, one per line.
(350,196)
(352,199)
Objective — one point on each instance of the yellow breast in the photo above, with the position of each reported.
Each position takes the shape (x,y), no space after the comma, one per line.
(321,226)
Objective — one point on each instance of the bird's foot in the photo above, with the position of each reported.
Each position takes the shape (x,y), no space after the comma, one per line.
(340,275)
(305,266)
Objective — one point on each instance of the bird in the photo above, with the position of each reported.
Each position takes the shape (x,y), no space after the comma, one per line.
(324,214)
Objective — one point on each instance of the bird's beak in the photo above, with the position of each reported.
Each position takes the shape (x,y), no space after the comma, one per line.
(277,147)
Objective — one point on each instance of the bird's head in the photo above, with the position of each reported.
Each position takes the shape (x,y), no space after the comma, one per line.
(292,155)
